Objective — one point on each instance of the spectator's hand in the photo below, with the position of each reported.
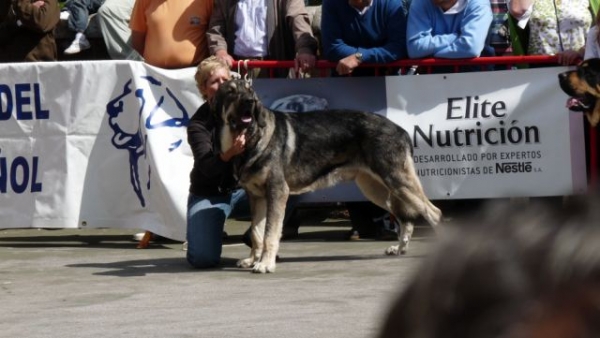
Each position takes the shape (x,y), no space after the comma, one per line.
(346,65)
(38,4)
(223,55)
(238,147)
(569,57)
(305,62)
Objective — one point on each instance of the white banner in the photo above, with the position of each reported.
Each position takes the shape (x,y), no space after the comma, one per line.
(95,144)
(495,134)
(103,143)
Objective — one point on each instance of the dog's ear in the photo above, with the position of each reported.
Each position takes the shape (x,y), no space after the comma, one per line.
(258,110)
(589,71)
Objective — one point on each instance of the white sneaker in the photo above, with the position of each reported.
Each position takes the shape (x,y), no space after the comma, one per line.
(78,45)
(138,236)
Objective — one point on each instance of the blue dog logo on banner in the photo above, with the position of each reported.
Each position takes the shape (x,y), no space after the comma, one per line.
(155,106)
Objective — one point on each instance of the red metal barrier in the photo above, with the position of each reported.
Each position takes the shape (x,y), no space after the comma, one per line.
(402,66)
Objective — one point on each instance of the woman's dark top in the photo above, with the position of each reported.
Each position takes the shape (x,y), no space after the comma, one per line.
(210,175)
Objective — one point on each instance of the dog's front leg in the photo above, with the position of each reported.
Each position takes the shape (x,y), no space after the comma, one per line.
(276,202)
(258,209)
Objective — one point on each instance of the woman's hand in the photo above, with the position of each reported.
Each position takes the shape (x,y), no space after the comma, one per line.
(238,147)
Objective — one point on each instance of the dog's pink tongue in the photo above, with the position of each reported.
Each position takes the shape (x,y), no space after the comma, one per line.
(572,102)
(246,119)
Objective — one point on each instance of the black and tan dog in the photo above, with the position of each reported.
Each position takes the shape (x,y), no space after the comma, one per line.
(583,85)
(294,153)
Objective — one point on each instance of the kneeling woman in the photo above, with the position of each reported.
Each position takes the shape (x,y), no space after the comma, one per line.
(213,194)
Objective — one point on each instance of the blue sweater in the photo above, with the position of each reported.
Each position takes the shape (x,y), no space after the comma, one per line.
(430,33)
(379,34)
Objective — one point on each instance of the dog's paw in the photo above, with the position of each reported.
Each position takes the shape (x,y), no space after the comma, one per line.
(396,250)
(393,250)
(245,263)
(263,268)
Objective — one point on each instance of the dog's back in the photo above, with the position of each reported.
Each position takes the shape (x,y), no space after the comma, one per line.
(345,128)
(323,143)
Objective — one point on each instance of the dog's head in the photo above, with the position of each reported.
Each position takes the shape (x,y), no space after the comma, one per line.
(583,87)
(236,106)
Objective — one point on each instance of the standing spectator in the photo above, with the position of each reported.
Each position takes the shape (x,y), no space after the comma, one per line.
(27,30)
(77,14)
(369,31)
(500,34)
(171,34)
(555,27)
(113,17)
(506,37)
(592,43)
(357,31)
(451,29)
(257,30)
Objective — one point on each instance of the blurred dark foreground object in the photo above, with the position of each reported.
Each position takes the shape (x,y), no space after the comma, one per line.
(520,270)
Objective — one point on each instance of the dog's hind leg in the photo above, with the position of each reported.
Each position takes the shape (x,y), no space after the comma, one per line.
(276,201)
(405,185)
(405,232)
(258,209)
(380,195)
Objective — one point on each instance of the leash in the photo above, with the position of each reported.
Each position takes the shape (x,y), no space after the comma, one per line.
(246,77)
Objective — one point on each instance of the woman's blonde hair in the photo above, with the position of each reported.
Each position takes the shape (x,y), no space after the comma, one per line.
(205,69)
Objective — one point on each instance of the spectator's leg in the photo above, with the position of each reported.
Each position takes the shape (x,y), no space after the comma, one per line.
(94,5)
(78,20)
(362,216)
(114,17)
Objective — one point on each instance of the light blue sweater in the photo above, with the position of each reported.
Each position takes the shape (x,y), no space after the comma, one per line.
(431,33)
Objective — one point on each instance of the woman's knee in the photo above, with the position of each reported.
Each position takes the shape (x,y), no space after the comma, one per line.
(202,261)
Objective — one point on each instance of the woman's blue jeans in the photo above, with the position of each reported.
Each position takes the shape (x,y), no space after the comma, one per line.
(206,217)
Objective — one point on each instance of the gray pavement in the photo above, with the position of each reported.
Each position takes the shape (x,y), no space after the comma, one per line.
(95,283)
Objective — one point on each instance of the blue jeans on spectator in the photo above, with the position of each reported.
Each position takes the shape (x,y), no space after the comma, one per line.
(80,13)
(206,217)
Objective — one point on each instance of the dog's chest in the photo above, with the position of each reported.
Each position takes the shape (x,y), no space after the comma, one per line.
(225,139)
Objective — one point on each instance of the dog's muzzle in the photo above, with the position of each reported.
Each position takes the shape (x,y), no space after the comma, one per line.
(576,102)
(565,85)
(245,117)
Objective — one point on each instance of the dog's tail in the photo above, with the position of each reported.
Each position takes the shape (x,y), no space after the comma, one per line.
(431,213)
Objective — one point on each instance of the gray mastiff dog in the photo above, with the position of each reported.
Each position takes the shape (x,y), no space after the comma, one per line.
(295,153)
